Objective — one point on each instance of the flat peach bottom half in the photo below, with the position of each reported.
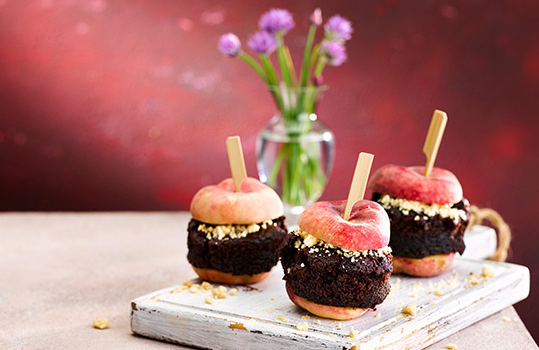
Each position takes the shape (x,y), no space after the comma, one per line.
(212,275)
(432,265)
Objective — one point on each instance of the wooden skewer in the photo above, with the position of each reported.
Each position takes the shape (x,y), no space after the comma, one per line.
(359,182)
(434,137)
(235,158)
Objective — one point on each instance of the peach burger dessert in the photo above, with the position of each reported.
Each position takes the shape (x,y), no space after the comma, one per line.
(234,236)
(337,268)
(428,217)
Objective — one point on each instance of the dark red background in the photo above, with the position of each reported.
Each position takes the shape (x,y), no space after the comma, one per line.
(125,105)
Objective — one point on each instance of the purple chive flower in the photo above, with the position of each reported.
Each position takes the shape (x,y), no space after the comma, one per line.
(230,45)
(335,52)
(262,43)
(276,20)
(316,17)
(338,28)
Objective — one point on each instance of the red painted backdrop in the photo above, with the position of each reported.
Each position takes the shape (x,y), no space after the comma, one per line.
(115,105)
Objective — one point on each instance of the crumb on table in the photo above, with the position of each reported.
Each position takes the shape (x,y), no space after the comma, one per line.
(451,346)
(101,323)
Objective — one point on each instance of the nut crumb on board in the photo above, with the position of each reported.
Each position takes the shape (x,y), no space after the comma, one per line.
(487,271)
(209,300)
(318,322)
(378,315)
(451,346)
(438,293)
(205,285)
(281,318)
(233,291)
(306,317)
(219,293)
(302,326)
(187,283)
(101,323)
(410,309)
(354,333)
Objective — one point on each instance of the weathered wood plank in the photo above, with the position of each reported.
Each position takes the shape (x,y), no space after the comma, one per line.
(264,317)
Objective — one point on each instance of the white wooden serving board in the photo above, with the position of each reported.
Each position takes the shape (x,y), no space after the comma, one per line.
(263,317)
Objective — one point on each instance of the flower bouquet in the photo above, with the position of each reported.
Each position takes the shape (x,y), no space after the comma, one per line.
(295,151)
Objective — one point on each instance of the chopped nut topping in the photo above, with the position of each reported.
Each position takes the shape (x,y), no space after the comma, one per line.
(302,326)
(410,309)
(233,291)
(195,288)
(306,240)
(187,283)
(406,206)
(101,323)
(225,232)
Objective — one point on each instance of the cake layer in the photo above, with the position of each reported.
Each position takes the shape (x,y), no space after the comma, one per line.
(253,253)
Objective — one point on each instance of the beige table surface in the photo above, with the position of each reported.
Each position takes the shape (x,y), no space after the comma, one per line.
(59,271)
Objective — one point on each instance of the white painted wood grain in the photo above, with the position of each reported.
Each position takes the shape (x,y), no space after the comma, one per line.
(185,318)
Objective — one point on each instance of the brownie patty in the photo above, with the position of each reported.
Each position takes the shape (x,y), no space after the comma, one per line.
(419,238)
(333,279)
(256,253)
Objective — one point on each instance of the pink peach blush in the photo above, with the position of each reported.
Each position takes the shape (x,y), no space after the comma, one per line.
(367,228)
(432,265)
(440,187)
(220,204)
(326,311)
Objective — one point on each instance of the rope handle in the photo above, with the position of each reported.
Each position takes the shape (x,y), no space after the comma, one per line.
(478,215)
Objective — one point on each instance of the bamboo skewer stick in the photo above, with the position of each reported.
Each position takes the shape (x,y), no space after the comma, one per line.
(359,182)
(235,158)
(434,137)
